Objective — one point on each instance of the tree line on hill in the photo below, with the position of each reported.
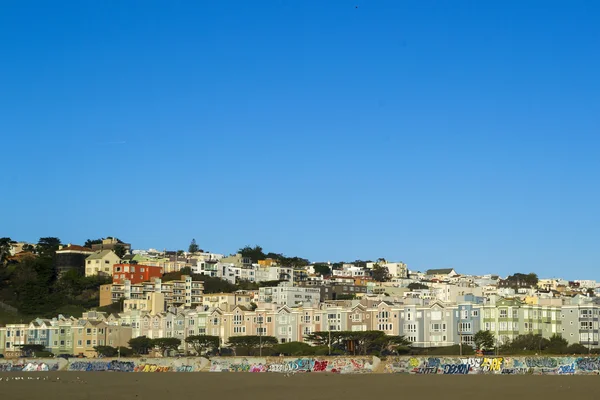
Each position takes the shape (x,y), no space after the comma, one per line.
(33,286)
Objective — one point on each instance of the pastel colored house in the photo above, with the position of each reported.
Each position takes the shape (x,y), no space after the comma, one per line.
(101,263)
(135,273)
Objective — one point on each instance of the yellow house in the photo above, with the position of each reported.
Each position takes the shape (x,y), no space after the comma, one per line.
(267,263)
(91,333)
(101,263)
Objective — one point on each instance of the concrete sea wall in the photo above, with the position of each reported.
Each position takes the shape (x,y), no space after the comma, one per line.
(345,365)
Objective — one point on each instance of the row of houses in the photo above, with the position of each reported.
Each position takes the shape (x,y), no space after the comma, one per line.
(67,335)
(433,325)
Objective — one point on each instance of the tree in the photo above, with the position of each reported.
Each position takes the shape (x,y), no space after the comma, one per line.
(251,342)
(106,351)
(557,345)
(484,340)
(519,280)
(361,342)
(380,273)
(166,345)
(322,269)
(203,343)
(30,349)
(47,246)
(194,248)
(141,345)
(90,242)
(294,349)
(526,344)
(29,248)
(4,249)
(254,253)
(120,250)
(577,348)
(180,253)
(417,286)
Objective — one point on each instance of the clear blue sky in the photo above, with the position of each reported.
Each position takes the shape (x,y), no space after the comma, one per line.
(457,134)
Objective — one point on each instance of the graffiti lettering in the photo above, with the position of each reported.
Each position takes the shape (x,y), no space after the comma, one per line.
(492,364)
(427,370)
(541,362)
(115,365)
(456,369)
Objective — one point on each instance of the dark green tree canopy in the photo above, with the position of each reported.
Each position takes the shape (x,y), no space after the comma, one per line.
(322,269)
(120,250)
(251,343)
(484,340)
(141,345)
(417,286)
(380,273)
(203,343)
(193,248)
(166,344)
(47,246)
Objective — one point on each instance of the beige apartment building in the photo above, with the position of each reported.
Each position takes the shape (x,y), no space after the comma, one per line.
(91,333)
(179,293)
(101,263)
(227,301)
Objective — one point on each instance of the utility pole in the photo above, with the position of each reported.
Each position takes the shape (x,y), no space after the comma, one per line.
(459,336)
(329,334)
(260,321)
(118,342)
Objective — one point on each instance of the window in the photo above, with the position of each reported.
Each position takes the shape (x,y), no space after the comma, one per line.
(503,313)
(475,313)
(586,325)
(79,343)
(410,328)
(465,327)
(515,313)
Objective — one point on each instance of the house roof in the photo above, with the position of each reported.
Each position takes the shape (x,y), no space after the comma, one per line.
(74,247)
(442,271)
(99,255)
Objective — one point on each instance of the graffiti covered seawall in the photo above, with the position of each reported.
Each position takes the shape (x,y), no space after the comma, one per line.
(342,365)
(506,365)
(494,365)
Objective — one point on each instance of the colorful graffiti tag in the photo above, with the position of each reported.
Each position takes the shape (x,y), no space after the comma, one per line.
(113,365)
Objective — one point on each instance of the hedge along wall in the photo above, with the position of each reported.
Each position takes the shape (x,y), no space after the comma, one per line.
(404,365)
